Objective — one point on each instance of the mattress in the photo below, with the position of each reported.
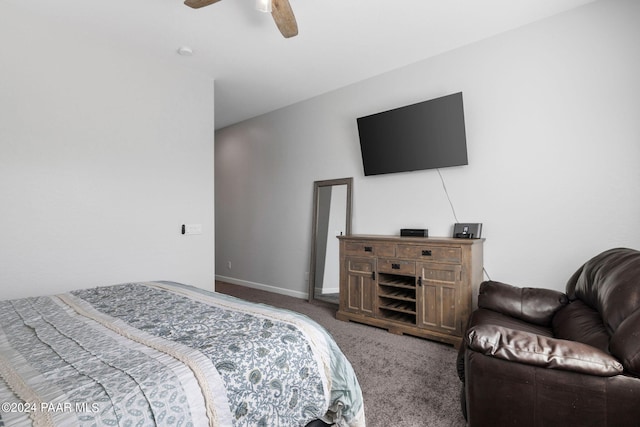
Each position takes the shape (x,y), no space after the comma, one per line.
(163,353)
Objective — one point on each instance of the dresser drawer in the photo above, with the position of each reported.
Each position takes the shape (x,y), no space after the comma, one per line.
(431,272)
(360,265)
(370,248)
(396,266)
(431,253)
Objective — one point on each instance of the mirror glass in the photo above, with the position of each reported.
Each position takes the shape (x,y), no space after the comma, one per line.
(331,218)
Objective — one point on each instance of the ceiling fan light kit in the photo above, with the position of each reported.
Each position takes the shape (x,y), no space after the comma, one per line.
(280,11)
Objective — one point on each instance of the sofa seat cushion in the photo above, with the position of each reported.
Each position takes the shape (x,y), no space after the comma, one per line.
(579,322)
(625,343)
(537,350)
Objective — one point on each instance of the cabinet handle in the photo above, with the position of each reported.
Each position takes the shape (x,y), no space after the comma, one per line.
(395,266)
(373,276)
(426,252)
(368,248)
(420,281)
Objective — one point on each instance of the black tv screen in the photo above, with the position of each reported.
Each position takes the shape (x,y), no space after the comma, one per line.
(426,135)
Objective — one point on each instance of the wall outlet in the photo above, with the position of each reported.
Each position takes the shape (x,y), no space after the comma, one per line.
(229,265)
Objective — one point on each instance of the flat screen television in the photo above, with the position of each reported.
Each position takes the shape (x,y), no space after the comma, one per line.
(426,135)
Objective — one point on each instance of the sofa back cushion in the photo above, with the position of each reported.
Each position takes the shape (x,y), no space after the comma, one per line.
(610,284)
(579,322)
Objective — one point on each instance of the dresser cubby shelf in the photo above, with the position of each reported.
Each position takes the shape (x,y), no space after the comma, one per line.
(397,281)
(399,317)
(399,294)
(397,305)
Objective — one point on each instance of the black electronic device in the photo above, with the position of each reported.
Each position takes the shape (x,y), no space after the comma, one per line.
(426,135)
(467,230)
(414,232)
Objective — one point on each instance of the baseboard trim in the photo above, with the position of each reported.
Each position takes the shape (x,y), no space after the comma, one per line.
(263,287)
(327,291)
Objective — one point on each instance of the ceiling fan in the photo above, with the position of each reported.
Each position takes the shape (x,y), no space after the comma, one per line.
(280,10)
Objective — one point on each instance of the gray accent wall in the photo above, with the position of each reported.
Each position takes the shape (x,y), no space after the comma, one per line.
(553,141)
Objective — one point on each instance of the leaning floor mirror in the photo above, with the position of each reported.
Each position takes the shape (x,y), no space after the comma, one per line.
(331,218)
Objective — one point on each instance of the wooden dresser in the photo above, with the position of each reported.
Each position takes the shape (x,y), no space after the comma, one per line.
(419,286)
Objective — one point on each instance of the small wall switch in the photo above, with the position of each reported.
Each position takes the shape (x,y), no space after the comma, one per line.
(192,229)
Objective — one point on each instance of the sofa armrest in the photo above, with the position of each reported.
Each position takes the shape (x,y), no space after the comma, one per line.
(537,350)
(533,305)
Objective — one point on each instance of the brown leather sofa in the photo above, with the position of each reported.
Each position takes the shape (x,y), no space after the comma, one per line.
(539,357)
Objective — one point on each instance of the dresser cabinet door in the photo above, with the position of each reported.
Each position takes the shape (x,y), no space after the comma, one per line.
(440,293)
(359,293)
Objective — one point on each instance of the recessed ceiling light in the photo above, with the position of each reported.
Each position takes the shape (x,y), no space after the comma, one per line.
(185,51)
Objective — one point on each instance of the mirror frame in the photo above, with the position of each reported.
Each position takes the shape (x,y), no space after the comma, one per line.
(316,192)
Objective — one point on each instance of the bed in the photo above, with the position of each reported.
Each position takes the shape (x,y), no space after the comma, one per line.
(163,353)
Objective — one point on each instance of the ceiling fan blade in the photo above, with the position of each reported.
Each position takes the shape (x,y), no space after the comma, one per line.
(284,18)
(196,4)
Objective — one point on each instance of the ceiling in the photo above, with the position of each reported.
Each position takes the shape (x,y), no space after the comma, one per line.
(340,42)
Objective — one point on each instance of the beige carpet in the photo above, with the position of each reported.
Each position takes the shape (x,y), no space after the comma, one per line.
(405,381)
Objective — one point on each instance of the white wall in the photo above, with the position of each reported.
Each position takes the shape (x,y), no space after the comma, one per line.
(103,155)
(553,140)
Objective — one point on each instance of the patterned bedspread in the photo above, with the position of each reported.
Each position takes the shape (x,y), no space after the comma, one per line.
(161,353)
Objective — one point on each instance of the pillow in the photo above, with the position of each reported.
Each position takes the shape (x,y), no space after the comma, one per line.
(534,305)
(537,350)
